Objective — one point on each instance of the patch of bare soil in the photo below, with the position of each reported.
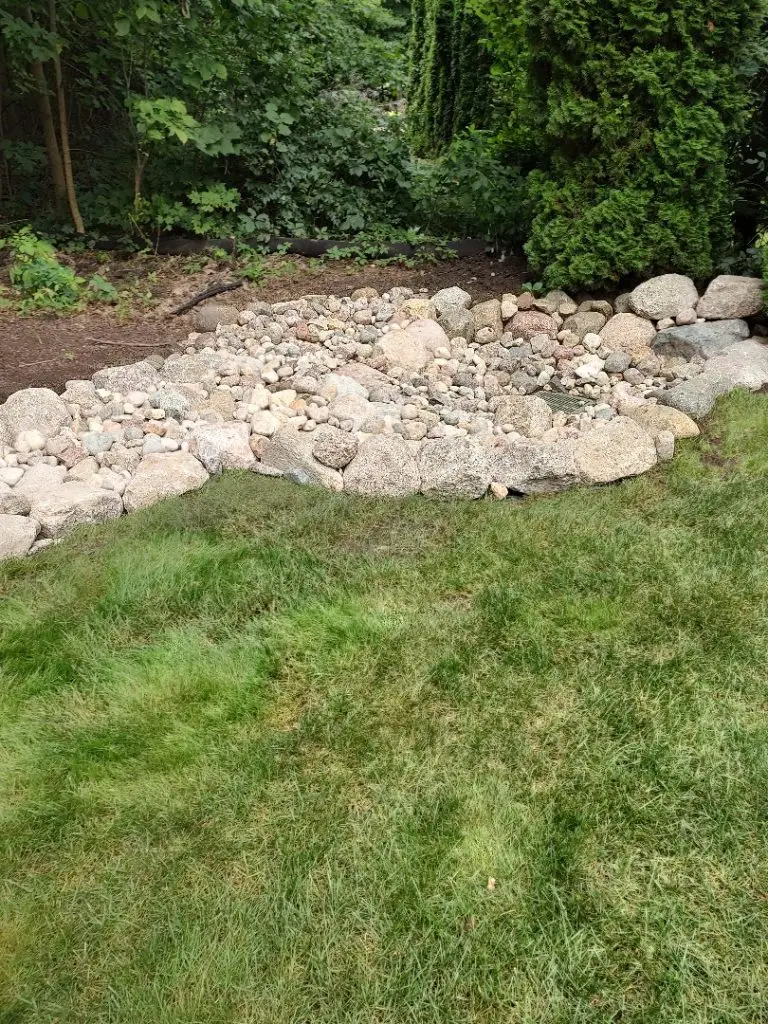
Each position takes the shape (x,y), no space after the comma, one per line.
(46,350)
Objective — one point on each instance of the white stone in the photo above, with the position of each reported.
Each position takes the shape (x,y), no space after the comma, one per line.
(614,450)
(265,423)
(72,504)
(222,447)
(39,480)
(37,409)
(161,476)
(17,535)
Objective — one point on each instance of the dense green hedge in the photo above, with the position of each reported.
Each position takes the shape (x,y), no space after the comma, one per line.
(628,118)
(449,73)
(643,102)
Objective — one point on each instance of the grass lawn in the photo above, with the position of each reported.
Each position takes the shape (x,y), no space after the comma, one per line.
(263,747)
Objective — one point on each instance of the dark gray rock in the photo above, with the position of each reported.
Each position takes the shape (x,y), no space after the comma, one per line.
(704,340)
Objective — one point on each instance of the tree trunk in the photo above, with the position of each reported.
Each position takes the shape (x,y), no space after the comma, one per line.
(66,155)
(49,133)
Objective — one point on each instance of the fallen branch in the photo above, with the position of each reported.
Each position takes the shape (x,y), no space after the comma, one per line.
(215,289)
(131,344)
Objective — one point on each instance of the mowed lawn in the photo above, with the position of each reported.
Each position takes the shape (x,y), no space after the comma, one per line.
(263,747)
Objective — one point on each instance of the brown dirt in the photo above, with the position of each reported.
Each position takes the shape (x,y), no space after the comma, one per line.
(46,351)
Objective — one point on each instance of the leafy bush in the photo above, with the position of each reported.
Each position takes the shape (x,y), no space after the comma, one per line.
(641,106)
(473,189)
(179,108)
(45,284)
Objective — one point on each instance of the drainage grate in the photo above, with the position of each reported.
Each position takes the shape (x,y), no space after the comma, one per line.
(558,401)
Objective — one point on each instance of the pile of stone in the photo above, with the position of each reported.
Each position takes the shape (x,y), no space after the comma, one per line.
(385,396)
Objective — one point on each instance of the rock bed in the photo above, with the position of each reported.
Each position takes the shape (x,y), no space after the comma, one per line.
(385,396)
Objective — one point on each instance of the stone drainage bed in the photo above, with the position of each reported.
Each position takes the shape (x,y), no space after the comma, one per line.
(385,395)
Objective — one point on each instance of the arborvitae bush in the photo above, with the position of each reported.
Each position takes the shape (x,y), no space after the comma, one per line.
(449,74)
(641,103)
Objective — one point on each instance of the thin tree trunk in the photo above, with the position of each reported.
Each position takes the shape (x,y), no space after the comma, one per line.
(66,155)
(138,176)
(49,133)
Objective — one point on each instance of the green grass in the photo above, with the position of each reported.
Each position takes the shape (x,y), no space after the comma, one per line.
(262,748)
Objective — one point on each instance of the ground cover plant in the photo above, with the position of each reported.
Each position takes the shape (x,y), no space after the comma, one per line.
(274,754)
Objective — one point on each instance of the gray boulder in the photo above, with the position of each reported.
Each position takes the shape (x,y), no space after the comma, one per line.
(198,368)
(743,365)
(663,296)
(455,467)
(617,362)
(614,450)
(487,315)
(704,340)
(32,409)
(333,447)
(73,504)
(586,322)
(529,467)
(458,323)
(163,475)
(209,316)
(95,441)
(17,535)
(732,298)
(527,415)
(384,466)
(290,451)
(222,447)
(448,299)
(139,376)
(173,402)
(13,504)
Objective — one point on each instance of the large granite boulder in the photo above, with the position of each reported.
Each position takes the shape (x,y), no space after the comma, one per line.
(614,450)
(531,467)
(703,340)
(455,467)
(385,466)
(37,409)
(163,476)
(664,296)
(291,451)
(732,298)
(73,504)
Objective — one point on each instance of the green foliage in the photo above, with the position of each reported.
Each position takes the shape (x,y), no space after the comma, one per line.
(44,283)
(375,247)
(449,76)
(640,108)
(275,101)
(473,189)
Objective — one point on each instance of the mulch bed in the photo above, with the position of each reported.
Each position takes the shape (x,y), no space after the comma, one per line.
(46,351)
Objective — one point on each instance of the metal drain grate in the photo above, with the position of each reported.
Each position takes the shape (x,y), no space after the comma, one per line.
(558,401)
